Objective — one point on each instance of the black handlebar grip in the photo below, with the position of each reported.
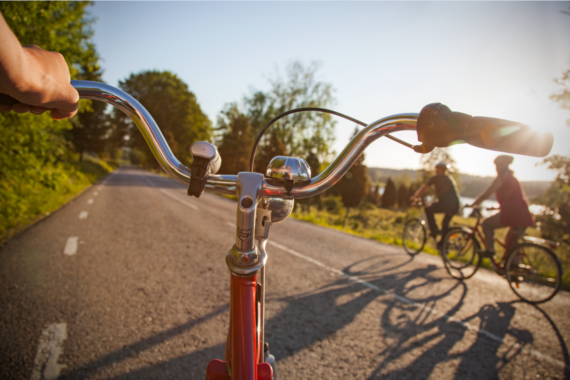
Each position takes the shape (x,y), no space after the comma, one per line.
(438,126)
(7,100)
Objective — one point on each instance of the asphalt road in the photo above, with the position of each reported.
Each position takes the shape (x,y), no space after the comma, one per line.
(129,282)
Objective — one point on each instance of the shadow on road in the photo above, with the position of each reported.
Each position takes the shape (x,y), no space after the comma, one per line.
(417,323)
(133,350)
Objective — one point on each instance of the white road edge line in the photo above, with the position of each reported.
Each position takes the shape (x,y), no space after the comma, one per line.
(71,246)
(170,195)
(179,200)
(50,348)
(83,215)
(468,326)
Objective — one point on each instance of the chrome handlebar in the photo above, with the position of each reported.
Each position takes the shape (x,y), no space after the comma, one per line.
(226,184)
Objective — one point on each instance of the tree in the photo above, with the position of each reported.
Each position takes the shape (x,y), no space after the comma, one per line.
(235,140)
(273,147)
(354,186)
(403,196)
(563,97)
(315,165)
(375,194)
(555,221)
(389,197)
(91,126)
(300,133)
(173,107)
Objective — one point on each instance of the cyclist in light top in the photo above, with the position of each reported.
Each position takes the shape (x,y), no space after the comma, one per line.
(38,79)
(447,199)
(513,205)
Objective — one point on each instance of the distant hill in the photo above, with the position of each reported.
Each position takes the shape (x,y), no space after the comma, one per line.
(471,185)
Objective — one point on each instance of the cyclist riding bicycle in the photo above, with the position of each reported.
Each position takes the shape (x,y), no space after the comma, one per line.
(447,203)
(38,79)
(513,204)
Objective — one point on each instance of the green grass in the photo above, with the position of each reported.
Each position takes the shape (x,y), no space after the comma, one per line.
(28,201)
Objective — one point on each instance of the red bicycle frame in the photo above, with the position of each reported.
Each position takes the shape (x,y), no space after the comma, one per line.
(243,344)
(509,240)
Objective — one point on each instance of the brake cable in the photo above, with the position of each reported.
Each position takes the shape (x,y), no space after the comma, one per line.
(303,109)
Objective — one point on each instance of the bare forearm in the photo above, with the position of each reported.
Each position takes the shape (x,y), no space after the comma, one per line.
(38,79)
(12,59)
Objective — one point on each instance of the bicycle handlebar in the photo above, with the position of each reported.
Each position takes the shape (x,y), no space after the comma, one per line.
(226,184)
(438,126)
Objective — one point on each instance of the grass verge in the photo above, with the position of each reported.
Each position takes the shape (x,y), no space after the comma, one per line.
(27,202)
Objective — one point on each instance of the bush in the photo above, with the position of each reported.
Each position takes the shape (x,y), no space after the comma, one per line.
(333,204)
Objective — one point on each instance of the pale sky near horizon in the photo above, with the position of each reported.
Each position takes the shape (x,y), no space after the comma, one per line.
(495,59)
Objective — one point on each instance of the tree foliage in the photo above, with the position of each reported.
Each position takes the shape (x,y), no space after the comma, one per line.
(355,184)
(299,134)
(35,155)
(273,147)
(555,221)
(174,108)
(403,196)
(389,197)
(563,97)
(235,140)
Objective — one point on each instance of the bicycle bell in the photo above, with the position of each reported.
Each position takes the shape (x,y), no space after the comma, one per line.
(280,208)
(207,161)
(288,170)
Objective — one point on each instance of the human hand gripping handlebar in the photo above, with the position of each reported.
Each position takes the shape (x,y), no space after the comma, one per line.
(437,126)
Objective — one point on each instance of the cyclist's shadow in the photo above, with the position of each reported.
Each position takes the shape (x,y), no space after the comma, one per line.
(312,317)
(480,360)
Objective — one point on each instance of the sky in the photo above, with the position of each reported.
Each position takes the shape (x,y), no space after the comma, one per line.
(497,59)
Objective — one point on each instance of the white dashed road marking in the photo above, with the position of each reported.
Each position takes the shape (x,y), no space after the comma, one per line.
(71,246)
(83,215)
(90,201)
(50,348)
(468,326)
(96,193)
(233,225)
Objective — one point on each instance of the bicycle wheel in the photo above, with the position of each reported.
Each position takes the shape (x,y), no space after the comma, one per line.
(460,253)
(415,236)
(534,272)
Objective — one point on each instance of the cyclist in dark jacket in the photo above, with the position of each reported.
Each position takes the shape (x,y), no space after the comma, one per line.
(447,199)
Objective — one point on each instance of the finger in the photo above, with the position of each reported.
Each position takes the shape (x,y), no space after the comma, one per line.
(21,108)
(37,110)
(58,114)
